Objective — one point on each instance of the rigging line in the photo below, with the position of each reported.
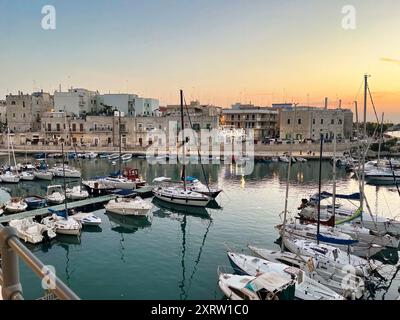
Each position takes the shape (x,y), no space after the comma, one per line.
(373,105)
(359,90)
(198,149)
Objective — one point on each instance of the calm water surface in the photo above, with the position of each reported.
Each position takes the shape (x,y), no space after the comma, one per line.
(176,255)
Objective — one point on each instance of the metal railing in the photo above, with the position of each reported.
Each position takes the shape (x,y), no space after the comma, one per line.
(11,250)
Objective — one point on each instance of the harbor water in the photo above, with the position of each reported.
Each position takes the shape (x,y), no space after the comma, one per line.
(175,255)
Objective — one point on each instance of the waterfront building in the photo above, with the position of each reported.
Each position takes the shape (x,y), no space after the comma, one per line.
(194,109)
(77,101)
(132,104)
(262,120)
(3,112)
(310,122)
(24,111)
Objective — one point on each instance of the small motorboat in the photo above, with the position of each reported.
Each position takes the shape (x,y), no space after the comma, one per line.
(55,194)
(62,225)
(266,286)
(9,177)
(27,176)
(118,183)
(31,231)
(15,205)
(104,155)
(35,202)
(91,155)
(77,193)
(128,206)
(43,175)
(59,171)
(301,160)
(87,219)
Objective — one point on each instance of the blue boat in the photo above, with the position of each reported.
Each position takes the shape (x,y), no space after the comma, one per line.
(35,202)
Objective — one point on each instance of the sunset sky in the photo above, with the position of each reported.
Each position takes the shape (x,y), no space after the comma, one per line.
(220,51)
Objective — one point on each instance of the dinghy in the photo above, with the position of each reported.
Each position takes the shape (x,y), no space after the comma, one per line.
(87,219)
(31,231)
(35,202)
(126,157)
(306,288)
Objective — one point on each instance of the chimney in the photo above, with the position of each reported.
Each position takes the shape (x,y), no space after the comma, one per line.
(326,103)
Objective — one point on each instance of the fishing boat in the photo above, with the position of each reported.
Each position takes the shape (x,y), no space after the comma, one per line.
(27,176)
(126,157)
(15,205)
(31,231)
(339,280)
(77,193)
(267,286)
(306,288)
(87,219)
(128,206)
(35,202)
(62,224)
(43,175)
(55,194)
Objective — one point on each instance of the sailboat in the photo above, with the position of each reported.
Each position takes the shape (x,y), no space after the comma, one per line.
(9,176)
(59,220)
(306,288)
(177,195)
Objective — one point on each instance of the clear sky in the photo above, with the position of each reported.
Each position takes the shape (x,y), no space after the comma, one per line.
(218,51)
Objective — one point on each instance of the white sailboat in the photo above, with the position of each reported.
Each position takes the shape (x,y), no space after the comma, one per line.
(346,284)
(62,225)
(58,171)
(43,175)
(31,231)
(181,195)
(306,288)
(9,176)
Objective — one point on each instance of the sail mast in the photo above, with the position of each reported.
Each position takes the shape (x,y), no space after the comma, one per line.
(288,179)
(8,147)
(319,185)
(65,185)
(183,143)
(334,176)
(380,140)
(120,140)
(364,152)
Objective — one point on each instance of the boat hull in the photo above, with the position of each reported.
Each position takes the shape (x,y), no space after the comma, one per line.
(182,201)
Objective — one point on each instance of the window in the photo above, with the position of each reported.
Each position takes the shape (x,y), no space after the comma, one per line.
(58,127)
(23,104)
(81,127)
(13,103)
(332,121)
(322,121)
(74,127)
(299,121)
(24,116)
(13,115)
(232,117)
(288,121)
(313,121)
(49,127)
(340,121)
(253,117)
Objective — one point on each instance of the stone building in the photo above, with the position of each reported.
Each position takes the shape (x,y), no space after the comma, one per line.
(262,120)
(132,104)
(24,111)
(77,101)
(310,122)
(3,112)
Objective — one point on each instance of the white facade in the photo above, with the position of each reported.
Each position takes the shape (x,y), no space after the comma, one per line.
(76,101)
(3,111)
(132,104)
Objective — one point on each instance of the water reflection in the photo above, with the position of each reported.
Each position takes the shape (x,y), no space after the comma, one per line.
(164,208)
(127,224)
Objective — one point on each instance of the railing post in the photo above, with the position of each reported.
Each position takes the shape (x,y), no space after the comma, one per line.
(12,289)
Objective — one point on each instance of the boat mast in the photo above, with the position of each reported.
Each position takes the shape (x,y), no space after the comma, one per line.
(119,135)
(288,179)
(183,143)
(65,185)
(8,147)
(364,152)
(380,140)
(334,175)
(319,185)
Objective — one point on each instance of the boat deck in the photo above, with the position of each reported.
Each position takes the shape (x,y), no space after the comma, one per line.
(144,191)
(45,211)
